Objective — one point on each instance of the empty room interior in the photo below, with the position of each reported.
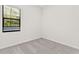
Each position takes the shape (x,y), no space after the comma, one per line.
(39,29)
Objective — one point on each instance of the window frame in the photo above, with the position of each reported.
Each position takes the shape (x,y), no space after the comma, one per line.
(3,19)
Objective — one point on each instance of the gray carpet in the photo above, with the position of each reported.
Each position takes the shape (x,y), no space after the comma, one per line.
(40,46)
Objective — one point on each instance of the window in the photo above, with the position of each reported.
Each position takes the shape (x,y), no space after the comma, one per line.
(11,19)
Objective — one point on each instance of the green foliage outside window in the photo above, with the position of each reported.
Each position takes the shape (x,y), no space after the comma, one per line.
(13,16)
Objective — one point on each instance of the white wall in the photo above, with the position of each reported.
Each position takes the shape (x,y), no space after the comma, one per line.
(30,27)
(61,24)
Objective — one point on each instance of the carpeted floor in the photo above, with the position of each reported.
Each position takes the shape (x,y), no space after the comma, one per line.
(40,46)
